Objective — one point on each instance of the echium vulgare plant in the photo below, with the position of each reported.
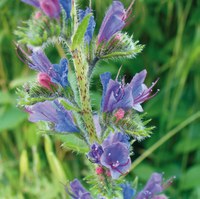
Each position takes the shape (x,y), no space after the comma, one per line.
(59,98)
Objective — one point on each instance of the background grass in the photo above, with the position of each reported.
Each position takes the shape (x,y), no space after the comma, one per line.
(35,166)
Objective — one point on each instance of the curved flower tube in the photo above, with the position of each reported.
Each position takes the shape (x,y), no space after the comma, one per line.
(51,7)
(118,95)
(54,112)
(113,22)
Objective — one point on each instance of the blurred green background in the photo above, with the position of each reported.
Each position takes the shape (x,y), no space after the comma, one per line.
(36,166)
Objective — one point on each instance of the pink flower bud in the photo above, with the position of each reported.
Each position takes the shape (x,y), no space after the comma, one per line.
(119,114)
(108,173)
(99,170)
(118,37)
(45,81)
(37,15)
(51,8)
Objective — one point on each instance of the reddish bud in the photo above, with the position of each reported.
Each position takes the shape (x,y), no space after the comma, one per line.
(51,8)
(37,15)
(108,173)
(45,81)
(119,114)
(99,170)
(118,37)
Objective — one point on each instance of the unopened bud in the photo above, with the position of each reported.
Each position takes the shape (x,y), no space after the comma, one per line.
(51,8)
(118,37)
(37,15)
(45,81)
(108,173)
(99,170)
(119,114)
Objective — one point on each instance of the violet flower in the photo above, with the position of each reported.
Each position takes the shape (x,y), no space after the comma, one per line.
(57,72)
(140,92)
(95,153)
(127,191)
(97,125)
(116,137)
(118,95)
(154,186)
(114,21)
(78,191)
(115,94)
(113,154)
(61,71)
(116,159)
(91,25)
(116,155)
(51,7)
(54,112)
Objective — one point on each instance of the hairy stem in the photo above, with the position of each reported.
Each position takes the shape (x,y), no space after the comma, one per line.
(81,70)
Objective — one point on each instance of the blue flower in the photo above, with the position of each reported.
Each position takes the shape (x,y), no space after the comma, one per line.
(116,137)
(67,5)
(113,154)
(54,112)
(51,7)
(61,70)
(115,94)
(116,155)
(127,190)
(118,95)
(114,21)
(78,191)
(57,72)
(91,25)
(154,186)
(95,153)
(140,92)
(116,159)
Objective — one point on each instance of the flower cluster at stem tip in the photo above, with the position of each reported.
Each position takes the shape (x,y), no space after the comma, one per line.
(60,95)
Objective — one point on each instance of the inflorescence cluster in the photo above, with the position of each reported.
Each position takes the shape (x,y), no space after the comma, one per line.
(60,96)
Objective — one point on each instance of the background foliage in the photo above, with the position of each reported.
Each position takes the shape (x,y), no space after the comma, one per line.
(36,166)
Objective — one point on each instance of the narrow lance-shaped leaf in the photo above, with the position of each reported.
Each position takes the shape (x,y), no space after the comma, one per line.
(80,33)
(68,105)
(125,54)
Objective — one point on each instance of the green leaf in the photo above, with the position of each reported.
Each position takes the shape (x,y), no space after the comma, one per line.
(68,105)
(134,125)
(32,93)
(127,54)
(119,46)
(37,32)
(80,33)
(74,143)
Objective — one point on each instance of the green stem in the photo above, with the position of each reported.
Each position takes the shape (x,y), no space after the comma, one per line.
(165,138)
(81,70)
